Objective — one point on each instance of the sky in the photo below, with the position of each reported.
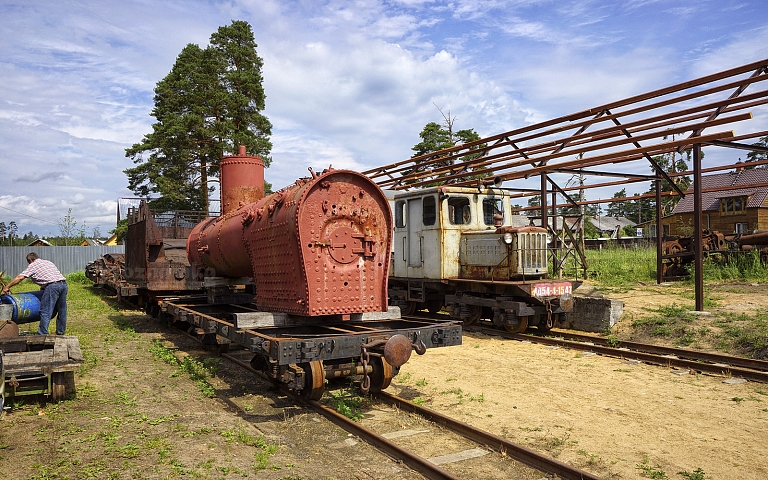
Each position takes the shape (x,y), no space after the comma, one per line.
(348,83)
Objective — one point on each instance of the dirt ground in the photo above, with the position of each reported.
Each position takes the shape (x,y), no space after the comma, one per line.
(136,416)
(614,418)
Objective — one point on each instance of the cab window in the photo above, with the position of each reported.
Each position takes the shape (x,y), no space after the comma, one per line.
(459,211)
(400,214)
(491,207)
(429,211)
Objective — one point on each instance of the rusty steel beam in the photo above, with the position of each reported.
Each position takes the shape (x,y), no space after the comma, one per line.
(640,196)
(585,162)
(489,163)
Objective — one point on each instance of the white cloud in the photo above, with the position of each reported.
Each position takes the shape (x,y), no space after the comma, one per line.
(348,83)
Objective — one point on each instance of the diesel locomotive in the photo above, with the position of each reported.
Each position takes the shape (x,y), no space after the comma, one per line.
(458,248)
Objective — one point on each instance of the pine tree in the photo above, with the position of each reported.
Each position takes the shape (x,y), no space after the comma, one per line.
(436,137)
(208,105)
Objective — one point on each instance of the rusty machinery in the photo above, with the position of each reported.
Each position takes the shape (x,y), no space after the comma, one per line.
(679,253)
(298,277)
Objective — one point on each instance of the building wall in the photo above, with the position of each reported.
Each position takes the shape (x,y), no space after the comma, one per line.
(682,223)
(68,259)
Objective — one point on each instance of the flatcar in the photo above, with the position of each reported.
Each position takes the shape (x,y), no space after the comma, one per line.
(457,248)
(298,277)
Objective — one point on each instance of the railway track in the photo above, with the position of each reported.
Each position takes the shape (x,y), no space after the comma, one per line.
(692,360)
(445,434)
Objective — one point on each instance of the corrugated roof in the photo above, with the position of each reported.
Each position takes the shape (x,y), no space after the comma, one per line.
(711,200)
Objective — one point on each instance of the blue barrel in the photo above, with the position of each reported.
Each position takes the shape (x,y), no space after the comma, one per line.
(26,306)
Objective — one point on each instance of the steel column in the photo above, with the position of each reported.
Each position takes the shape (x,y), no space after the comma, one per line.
(698,240)
(659,232)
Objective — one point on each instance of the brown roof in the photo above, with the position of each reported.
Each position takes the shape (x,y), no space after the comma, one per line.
(740,183)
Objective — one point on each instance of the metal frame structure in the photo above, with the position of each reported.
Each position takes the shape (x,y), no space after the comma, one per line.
(693,113)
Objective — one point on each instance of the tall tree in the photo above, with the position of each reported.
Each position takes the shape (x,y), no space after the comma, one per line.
(69,229)
(671,163)
(757,155)
(12,230)
(618,209)
(436,137)
(208,105)
(3,231)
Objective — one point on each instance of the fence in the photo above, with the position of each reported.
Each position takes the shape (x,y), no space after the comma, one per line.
(69,259)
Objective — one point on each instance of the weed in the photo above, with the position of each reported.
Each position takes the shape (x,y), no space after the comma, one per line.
(422,383)
(267,449)
(198,371)
(348,403)
(697,474)
(419,401)
(737,399)
(655,472)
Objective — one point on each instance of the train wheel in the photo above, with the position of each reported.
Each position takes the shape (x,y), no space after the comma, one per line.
(410,309)
(475,313)
(382,374)
(522,324)
(434,306)
(314,383)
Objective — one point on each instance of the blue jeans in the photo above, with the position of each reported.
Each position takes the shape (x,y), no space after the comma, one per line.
(54,299)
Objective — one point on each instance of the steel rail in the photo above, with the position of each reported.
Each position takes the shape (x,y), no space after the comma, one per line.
(669,360)
(417,463)
(516,452)
(750,363)
(499,444)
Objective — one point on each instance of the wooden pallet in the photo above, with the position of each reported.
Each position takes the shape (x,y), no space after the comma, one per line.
(47,362)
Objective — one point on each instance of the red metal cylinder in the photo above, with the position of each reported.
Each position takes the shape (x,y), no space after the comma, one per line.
(242,180)
(318,247)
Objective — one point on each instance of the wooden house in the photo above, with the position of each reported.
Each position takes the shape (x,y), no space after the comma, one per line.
(39,242)
(738,206)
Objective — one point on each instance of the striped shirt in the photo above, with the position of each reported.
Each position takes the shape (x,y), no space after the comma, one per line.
(42,272)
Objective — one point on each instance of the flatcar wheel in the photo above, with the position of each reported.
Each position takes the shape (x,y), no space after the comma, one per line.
(475,312)
(434,306)
(522,324)
(314,380)
(382,374)
(410,309)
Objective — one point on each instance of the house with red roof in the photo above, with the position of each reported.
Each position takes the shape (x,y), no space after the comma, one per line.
(735,203)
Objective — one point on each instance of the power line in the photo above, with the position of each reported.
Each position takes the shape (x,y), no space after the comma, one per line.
(30,216)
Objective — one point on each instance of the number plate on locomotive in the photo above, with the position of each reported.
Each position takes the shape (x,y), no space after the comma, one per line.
(552,289)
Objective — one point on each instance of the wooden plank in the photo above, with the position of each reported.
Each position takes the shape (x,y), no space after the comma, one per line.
(25,361)
(73,345)
(60,354)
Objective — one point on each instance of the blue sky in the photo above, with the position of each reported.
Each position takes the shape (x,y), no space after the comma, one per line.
(348,83)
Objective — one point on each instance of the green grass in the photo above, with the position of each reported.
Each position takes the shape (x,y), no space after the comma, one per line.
(622,267)
(671,321)
(744,333)
(347,402)
(198,371)
(625,267)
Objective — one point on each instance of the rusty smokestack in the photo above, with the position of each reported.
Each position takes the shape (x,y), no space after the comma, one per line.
(242,180)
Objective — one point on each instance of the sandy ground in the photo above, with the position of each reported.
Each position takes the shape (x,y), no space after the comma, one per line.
(612,417)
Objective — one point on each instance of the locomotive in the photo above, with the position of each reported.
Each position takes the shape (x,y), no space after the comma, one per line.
(297,277)
(457,248)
